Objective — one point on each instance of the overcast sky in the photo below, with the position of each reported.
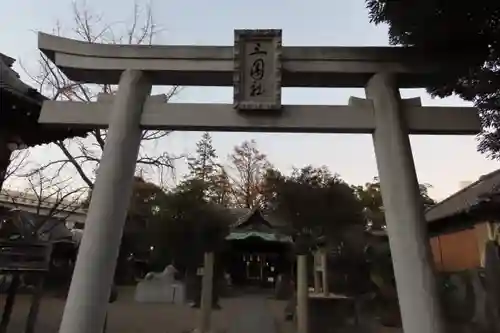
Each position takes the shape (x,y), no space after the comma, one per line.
(442,161)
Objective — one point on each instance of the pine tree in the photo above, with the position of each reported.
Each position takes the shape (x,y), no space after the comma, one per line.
(204,165)
(206,177)
(222,189)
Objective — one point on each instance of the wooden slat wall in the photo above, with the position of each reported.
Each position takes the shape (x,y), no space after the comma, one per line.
(457,251)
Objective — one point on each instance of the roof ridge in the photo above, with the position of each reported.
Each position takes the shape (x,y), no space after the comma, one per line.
(9,61)
(480,180)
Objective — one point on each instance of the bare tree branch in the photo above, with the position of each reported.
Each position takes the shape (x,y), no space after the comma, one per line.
(18,160)
(75,163)
(248,166)
(83,155)
(47,198)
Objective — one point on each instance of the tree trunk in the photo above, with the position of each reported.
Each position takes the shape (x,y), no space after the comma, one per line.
(5,154)
(9,302)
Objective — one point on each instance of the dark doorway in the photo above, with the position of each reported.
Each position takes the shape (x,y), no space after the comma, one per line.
(256,262)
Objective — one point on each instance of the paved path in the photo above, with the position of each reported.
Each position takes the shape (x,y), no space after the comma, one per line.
(254,317)
(241,314)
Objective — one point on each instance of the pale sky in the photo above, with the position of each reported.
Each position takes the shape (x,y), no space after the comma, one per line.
(442,161)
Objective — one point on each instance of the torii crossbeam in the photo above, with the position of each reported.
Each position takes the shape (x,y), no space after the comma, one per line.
(357,117)
(257,67)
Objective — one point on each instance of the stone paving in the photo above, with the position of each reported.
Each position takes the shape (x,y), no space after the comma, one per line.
(257,316)
(126,316)
(246,313)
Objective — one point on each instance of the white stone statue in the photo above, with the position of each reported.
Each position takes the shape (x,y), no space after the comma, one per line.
(160,287)
(168,274)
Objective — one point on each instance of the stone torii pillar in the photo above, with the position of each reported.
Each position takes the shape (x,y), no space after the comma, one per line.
(404,211)
(207,289)
(302,294)
(317,272)
(324,276)
(320,271)
(85,309)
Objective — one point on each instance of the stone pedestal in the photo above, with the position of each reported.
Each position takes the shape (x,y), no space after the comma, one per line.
(331,314)
(159,291)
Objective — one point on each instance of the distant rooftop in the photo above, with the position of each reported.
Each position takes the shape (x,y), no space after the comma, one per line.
(30,199)
(466,198)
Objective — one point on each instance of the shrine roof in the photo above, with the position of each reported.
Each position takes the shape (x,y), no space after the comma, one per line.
(245,216)
(20,106)
(258,223)
(266,236)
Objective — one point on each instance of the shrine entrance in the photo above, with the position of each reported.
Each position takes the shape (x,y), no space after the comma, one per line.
(257,67)
(258,250)
(256,262)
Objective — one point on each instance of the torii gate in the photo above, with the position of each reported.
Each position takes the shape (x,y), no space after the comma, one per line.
(257,66)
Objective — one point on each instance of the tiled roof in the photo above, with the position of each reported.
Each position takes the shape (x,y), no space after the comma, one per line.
(242,215)
(20,108)
(11,83)
(269,227)
(466,198)
(270,237)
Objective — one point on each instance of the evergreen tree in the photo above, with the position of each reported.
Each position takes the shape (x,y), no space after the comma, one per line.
(207,179)
(204,166)
(370,196)
(463,38)
(222,193)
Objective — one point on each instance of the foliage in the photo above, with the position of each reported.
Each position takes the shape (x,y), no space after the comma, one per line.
(206,176)
(222,188)
(464,37)
(249,166)
(314,202)
(194,212)
(378,256)
(143,217)
(204,165)
(146,199)
(145,203)
(189,227)
(370,197)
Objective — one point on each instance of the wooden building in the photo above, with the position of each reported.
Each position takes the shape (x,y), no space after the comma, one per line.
(20,107)
(461,224)
(258,248)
